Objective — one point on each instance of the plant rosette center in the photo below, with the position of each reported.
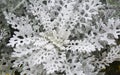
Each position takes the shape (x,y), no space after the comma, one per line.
(57,39)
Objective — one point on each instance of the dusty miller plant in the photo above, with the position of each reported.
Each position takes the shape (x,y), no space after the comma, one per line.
(63,37)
